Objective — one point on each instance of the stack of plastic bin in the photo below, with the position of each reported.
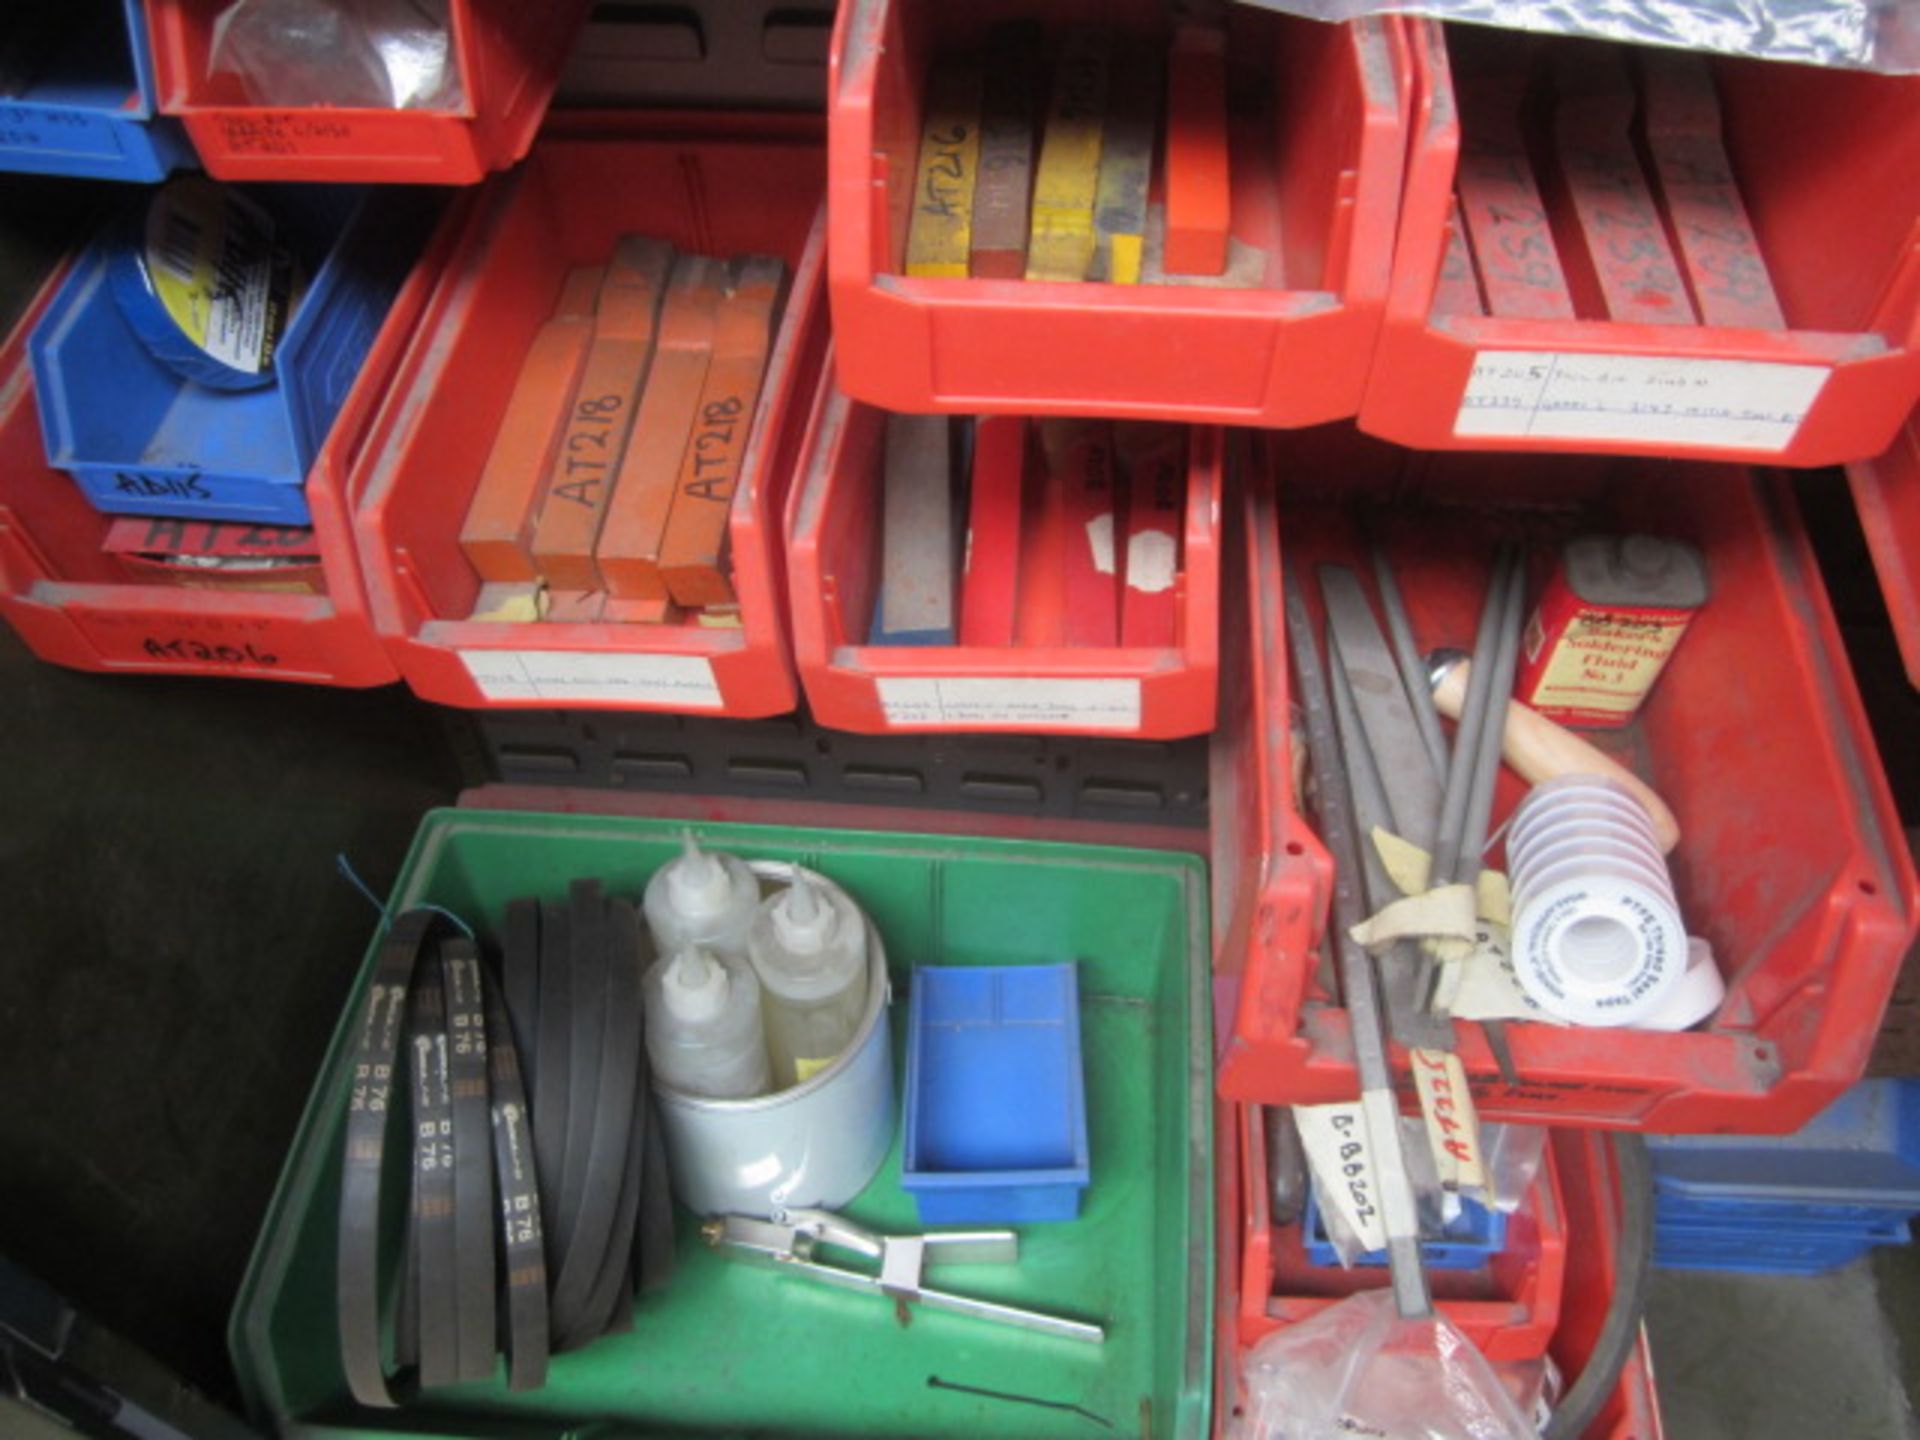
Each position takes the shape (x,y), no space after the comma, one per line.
(1798,1204)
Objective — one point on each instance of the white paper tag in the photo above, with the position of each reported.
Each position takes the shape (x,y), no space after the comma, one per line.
(1453,1126)
(1335,1139)
(562,675)
(1488,988)
(1754,405)
(1111,704)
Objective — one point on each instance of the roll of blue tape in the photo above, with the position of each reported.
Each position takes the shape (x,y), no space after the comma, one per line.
(203,279)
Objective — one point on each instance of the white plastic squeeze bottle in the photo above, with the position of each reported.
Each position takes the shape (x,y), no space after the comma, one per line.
(701,897)
(809,948)
(704,1031)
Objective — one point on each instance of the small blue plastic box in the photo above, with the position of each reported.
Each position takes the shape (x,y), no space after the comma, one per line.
(1800,1204)
(1474,1238)
(996,1127)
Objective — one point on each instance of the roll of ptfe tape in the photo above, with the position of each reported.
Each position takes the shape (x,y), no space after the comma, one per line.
(1599,951)
(1699,993)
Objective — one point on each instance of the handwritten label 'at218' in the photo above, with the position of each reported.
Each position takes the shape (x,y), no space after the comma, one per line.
(713,448)
(589,449)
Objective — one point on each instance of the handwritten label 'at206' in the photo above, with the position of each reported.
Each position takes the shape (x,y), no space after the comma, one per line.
(184,651)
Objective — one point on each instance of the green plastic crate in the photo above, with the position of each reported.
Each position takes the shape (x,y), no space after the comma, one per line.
(732,1349)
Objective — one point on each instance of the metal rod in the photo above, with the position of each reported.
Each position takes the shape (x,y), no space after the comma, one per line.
(1447,843)
(1370,804)
(1486,770)
(1380,1107)
(1405,970)
(1413,667)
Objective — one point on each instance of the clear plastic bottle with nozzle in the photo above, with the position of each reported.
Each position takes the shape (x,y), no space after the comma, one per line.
(705,1035)
(701,897)
(808,945)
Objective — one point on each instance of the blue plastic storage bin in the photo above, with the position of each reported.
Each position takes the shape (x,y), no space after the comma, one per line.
(93,112)
(1475,1237)
(1862,1153)
(1795,1204)
(996,1123)
(141,440)
(1747,1250)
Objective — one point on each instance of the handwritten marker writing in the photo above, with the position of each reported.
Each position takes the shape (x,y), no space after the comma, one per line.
(1501,209)
(940,226)
(628,554)
(581,479)
(1617,256)
(693,550)
(1718,249)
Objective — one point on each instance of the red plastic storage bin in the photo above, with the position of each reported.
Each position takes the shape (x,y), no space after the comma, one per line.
(1509,1309)
(1579,1183)
(1825,163)
(714,184)
(1886,493)
(833,561)
(1315,186)
(74,604)
(510,53)
(1791,861)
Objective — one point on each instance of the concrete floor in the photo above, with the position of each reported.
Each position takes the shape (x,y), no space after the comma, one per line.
(1745,1357)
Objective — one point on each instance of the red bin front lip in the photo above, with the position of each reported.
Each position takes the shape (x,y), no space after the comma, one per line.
(1420,369)
(752,665)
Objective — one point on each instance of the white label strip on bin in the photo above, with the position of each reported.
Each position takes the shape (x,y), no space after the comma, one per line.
(1107,704)
(1538,394)
(563,675)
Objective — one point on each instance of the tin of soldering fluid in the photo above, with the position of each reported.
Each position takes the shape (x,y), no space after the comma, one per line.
(1610,618)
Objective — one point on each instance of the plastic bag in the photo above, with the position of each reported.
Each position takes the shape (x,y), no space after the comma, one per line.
(1533,1386)
(1358,1368)
(368,54)
(1881,35)
(1512,1154)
